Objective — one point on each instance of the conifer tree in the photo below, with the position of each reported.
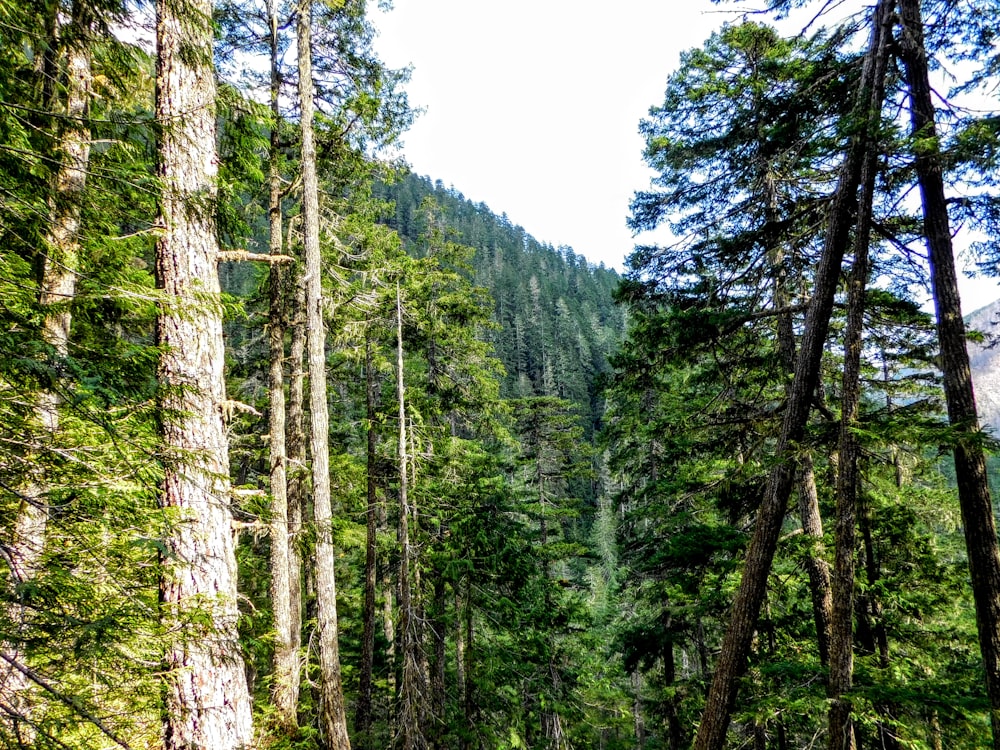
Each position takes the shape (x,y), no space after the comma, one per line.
(333,718)
(969,456)
(60,266)
(286,617)
(749,597)
(207,702)
(841,730)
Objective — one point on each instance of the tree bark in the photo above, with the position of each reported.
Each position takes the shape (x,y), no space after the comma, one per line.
(333,718)
(471,707)
(438,664)
(638,717)
(970,462)
(285,692)
(207,701)
(809,515)
(816,565)
(675,727)
(841,735)
(461,678)
(295,437)
(60,264)
(750,595)
(869,609)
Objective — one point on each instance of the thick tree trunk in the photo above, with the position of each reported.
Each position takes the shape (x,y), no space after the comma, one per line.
(970,461)
(333,718)
(207,702)
(750,595)
(285,692)
(60,264)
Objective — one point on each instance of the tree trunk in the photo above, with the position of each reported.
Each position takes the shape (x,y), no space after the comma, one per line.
(750,595)
(870,608)
(285,692)
(816,565)
(935,732)
(841,735)
(363,722)
(437,671)
(413,687)
(638,719)
(295,436)
(388,623)
(970,461)
(207,701)
(333,718)
(675,727)
(471,707)
(60,265)
(461,680)
(809,515)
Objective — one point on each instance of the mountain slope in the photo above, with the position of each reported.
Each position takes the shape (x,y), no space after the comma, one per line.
(985,361)
(557,323)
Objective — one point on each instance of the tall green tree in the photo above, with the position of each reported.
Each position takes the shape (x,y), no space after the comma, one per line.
(333,718)
(747,603)
(60,266)
(285,564)
(970,459)
(207,702)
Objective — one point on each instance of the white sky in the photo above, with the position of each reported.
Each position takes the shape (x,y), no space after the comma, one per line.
(533,106)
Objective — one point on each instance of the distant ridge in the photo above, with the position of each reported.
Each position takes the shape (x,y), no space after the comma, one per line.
(985,361)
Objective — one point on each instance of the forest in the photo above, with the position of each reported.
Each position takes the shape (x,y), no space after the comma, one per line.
(300,450)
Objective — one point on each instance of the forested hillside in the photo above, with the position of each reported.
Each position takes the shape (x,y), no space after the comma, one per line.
(300,451)
(557,324)
(277,475)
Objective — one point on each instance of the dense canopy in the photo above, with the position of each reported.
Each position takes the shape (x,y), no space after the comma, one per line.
(301,450)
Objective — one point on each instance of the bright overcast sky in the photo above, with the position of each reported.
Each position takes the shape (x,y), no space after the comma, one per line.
(533,106)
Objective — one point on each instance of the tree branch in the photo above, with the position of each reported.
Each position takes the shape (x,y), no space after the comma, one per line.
(245,255)
(66,699)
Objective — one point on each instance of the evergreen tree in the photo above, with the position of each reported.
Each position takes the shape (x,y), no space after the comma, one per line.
(207,701)
(970,459)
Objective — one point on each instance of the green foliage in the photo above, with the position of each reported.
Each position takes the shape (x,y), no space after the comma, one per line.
(555,324)
(82,621)
(742,147)
(569,589)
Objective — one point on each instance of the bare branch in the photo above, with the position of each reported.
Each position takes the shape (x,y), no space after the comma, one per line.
(245,255)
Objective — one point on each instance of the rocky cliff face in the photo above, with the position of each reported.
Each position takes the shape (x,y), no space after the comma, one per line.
(985,360)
